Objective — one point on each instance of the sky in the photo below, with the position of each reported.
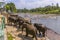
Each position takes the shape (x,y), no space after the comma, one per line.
(29,4)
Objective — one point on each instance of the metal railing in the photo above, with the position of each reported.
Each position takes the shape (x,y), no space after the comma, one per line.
(2,25)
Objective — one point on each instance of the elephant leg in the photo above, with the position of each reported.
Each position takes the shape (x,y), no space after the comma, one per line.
(33,36)
(27,32)
(43,34)
(39,33)
(15,23)
(7,20)
(11,23)
(36,32)
(22,29)
(19,26)
(36,37)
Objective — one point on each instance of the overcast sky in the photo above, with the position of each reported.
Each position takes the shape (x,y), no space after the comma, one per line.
(32,3)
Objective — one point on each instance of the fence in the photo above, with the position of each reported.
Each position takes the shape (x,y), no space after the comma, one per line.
(2,25)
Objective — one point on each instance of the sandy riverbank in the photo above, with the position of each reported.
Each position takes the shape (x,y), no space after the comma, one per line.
(17,35)
(53,35)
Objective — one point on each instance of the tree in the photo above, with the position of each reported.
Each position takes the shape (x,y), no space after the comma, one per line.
(11,7)
(57,5)
(1,4)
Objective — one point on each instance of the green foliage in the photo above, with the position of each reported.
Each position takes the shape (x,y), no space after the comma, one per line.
(1,3)
(52,12)
(43,10)
(9,36)
(23,10)
(11,7)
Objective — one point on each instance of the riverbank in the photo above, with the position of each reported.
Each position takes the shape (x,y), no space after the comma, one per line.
(50,33)
(53,35)
(17,35)
(38,15)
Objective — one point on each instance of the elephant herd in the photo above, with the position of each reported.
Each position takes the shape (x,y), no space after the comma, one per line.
(30,28)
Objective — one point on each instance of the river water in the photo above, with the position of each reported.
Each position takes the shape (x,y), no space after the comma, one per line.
(52,22)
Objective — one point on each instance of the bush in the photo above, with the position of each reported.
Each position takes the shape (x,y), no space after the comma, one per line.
(9,36)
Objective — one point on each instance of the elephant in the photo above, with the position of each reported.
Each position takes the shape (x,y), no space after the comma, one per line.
(12,16)
(30,29)
(12,20)
(27,20)
(22,20)
(41,28)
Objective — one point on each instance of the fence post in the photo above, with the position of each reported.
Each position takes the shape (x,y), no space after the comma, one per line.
(3,23)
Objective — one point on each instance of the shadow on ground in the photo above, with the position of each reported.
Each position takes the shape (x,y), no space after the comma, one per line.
(24,37)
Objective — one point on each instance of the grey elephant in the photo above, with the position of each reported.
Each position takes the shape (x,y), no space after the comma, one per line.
(30,29)
(21,20)
(41,28)
(12,20)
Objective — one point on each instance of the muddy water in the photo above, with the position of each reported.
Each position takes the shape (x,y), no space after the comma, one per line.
(52,22)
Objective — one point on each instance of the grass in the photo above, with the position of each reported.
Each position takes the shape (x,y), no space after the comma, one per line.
(9,36)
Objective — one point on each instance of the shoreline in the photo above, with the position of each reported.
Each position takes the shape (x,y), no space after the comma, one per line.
(41,15)
(53,31)
(52,35)
(37,14)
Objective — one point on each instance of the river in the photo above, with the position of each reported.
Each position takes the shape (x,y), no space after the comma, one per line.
(52,22)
